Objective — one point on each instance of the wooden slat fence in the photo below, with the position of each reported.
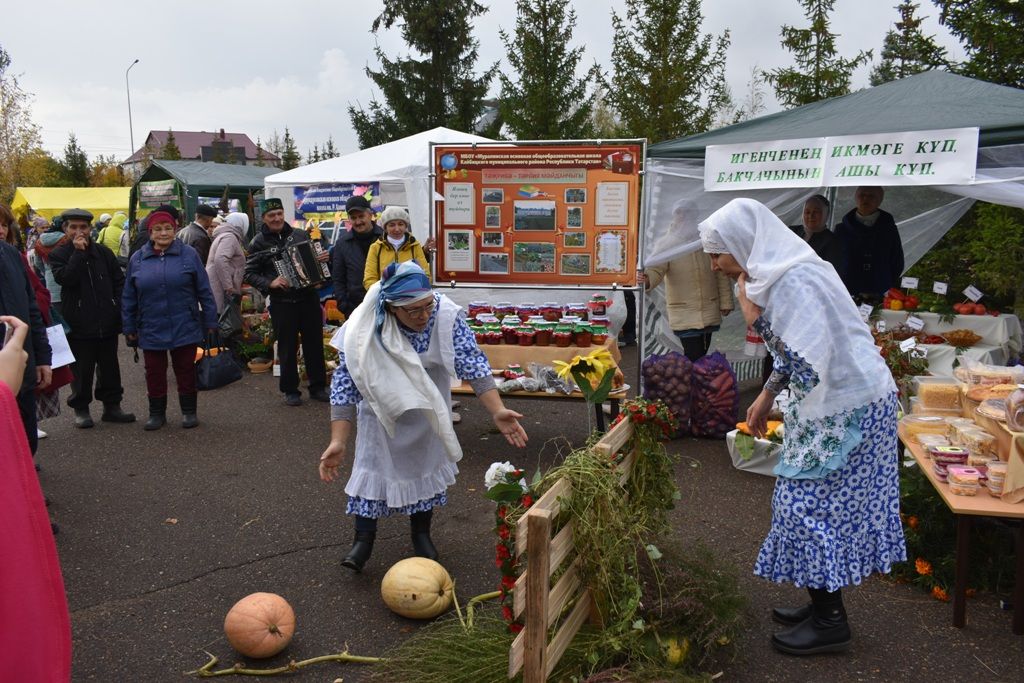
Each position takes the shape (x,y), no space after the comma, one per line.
(543,604)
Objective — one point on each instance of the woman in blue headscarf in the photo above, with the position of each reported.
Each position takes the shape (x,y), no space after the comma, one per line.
(396,355)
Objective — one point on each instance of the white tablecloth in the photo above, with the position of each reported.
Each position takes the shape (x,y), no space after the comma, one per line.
(1003,330)
(942,356)
(766,455)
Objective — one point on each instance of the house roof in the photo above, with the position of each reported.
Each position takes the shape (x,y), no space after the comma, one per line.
(199,175)
(191,143)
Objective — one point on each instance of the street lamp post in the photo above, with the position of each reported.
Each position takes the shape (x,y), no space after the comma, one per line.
(131,132)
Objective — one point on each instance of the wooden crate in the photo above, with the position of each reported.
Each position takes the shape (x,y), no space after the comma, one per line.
(542,603)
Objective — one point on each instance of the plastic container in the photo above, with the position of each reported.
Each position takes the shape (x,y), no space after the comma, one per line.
(1015,410)
(929,440)
(948,455)
(977,440)
(963,489)
(923,424)
(938,393)
(917,407)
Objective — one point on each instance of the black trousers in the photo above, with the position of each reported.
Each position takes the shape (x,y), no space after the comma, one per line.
(696,347)
(290,319)
(95,359)
(628,333)
(27,408)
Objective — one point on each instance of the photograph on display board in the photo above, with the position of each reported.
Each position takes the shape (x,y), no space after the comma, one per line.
(534,214)
(458,250)
(492,216)
(496,264)
(533,257)
(574,217)
(492,195)
(574,240)
(574,264)
(492,240)
(576,195)
(611,251)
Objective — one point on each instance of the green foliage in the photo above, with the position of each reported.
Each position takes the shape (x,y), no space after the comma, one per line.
(20,142)
(439,89)
(170,150)
(819,72)
(545,100)
(668,79)
(261,157)
(75,163)
(990,32)
(907,50)
(289,154)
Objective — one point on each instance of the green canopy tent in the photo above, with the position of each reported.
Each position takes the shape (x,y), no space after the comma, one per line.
(933,100)
(182,183)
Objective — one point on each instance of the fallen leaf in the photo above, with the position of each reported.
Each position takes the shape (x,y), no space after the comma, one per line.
(171,520)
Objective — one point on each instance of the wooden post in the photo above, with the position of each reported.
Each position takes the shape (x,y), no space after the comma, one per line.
(538,567)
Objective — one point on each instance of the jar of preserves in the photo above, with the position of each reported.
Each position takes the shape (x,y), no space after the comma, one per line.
(551,310)
(600,320)
(510,331)
(478,307)
(578,310)
(545,331)
(493,335)
(526,335)
(513,371)
(599,334)
(562,338)
(582,335)
(503,308)
(598,304)
(535,320)
(524,311)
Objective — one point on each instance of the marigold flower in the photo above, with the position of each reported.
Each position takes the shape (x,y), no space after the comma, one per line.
(923,566)
(940,594)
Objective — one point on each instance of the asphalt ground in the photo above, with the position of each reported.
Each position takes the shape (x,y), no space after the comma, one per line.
(161,532)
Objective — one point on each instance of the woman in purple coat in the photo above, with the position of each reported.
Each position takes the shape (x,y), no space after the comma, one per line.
(167,308)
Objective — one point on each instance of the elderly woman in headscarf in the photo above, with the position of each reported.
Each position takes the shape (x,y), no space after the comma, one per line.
(226,263)
(396,355)
(835,511)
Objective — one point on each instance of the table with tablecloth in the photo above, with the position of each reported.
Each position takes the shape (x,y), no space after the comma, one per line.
(1001,338)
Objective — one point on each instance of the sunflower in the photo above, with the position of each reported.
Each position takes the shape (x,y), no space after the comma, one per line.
(592,366)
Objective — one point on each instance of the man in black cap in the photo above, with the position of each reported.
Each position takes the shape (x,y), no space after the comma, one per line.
(91,281)
(350,252)
(292,311)
(197,233)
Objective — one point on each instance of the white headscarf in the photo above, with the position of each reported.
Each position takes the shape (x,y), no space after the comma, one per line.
(236,223)
(805,304)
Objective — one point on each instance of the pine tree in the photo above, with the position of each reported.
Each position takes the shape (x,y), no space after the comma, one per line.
(314,156)
(819,72)
(907,50)
(438,90)
(170,149)
(290,157)
(76,163)
(261,157)
(668,79)
(992,35)
(275,145)
(329,151)
(547,101)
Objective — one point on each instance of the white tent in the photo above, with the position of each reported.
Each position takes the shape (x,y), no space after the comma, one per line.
(401,167)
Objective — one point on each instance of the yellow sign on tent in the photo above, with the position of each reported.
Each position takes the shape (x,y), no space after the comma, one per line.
(51,201)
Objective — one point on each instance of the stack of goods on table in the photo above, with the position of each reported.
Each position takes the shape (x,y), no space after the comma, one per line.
(546,324)
(964,423)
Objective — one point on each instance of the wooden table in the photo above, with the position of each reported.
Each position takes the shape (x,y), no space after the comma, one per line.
(965,509)
(464,389)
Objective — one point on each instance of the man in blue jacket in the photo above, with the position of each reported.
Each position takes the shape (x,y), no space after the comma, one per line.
(872,249)
(350,252)
(91,281)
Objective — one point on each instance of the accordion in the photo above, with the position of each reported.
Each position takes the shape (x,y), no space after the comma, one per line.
(298,264)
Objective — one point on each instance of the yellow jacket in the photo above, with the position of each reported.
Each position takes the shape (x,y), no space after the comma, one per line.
(382,254)
(695,296)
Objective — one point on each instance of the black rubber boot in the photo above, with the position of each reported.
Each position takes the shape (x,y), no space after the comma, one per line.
(791,616)
(112,413)
(157,414)
(188,403)
(360,552)
(826,630)
(83,420)
(421,544)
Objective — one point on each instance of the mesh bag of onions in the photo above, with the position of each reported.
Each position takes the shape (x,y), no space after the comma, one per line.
(667,378)
(714,408)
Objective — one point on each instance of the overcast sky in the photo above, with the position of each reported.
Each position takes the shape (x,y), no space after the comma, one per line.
(252,66)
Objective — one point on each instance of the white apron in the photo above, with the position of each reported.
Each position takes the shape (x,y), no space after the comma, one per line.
(413,465)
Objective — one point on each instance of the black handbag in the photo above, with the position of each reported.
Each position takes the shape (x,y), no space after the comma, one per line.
(230,320)
(215,371)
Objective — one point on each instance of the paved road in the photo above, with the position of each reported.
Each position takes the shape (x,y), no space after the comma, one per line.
(162,532)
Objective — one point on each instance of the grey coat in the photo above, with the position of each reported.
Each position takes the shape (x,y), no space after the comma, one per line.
(226,263)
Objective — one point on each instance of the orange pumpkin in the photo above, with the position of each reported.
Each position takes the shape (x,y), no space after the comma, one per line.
(260,625)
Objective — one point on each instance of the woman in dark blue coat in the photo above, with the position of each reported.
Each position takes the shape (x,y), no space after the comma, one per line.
(168,308)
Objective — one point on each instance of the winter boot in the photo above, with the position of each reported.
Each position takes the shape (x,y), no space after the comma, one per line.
(188,403)
(366,532)
(826,630)
(112,413)
(421,543)
(157,413)
(83,420)
(791,616)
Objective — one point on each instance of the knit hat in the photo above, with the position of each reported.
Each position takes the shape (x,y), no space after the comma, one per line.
(268,204)
(160,217)
(395,213)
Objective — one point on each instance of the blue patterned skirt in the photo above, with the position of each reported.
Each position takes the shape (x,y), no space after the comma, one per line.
(833,532)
